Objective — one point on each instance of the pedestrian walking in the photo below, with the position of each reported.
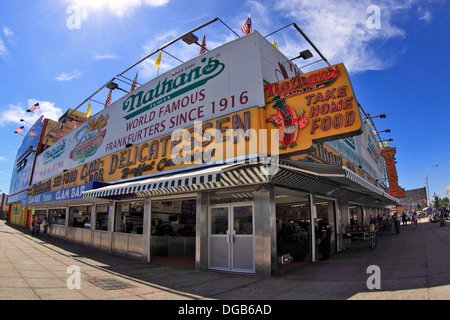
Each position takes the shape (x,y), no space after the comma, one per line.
(392,223)
(397,223)
(37,227)
(324,235)
(415,219)
(404,219)
(45,226)
(32,224)
(375,222)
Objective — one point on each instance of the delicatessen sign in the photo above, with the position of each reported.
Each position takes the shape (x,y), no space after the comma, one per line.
(226,138)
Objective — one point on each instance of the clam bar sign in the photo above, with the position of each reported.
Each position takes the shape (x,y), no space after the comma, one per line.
(60,195)
(313,107)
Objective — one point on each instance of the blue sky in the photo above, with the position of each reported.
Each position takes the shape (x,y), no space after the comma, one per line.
(58,53)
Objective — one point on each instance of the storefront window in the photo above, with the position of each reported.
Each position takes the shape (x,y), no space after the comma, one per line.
(175,217)
(243,220)
(57,216)
(173,232)
(129,217)
(325,210)
(80,217)
(40,214)
(293,225)
(355,215)
(101,220)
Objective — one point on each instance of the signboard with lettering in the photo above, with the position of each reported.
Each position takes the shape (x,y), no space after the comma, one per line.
(221,82)
(23,165)
(235,136)
(394,189)
(60,195)
(313,107)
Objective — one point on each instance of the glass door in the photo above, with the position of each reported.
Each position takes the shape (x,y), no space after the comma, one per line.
(231,238)
(219,238)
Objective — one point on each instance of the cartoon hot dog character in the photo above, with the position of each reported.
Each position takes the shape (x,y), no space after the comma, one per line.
(288,123)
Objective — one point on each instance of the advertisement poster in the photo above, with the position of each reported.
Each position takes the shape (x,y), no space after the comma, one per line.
(313,107)
(23,165)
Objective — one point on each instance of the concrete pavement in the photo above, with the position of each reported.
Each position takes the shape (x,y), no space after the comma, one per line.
(414,265)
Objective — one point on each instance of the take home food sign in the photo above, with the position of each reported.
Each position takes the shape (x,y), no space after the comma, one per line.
(313,107)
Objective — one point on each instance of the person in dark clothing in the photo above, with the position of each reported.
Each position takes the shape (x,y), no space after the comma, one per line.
(324,236)
(405,222)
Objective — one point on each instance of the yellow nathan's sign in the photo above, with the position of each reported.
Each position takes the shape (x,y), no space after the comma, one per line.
(313,107)
(239,135)
(299,111)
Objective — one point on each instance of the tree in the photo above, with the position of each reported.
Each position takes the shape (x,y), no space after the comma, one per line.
(436,200)
(444,202)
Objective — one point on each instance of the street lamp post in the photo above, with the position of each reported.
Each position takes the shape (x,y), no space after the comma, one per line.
(428,188)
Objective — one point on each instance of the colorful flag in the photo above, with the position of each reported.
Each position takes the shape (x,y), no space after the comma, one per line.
(88,112)
(133,86)
(108,100)
(203,47)
(275,44)
(36,106)
(20,129)
(247,26)
(383,144)
(158,60)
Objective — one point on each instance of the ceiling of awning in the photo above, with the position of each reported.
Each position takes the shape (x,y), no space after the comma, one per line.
(337,181)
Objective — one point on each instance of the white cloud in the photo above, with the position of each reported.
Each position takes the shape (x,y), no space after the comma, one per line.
(105,56)
(67,77)
(9,35)
(117,7)
(424,15)
(13,113)
(3,50)
(340,31)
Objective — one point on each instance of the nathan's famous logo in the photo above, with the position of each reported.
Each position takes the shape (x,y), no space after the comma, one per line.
(301,84)
(89,138)
(166,90)
(54,152)
(288,123)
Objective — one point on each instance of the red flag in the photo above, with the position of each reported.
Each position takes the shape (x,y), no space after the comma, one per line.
(133,86)
(247,26)
(203,48)
(108,100)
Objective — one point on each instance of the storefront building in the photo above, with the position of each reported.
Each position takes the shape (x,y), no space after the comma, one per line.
(218,164)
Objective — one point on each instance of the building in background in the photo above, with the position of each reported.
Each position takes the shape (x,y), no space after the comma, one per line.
(42,134)
(414,200)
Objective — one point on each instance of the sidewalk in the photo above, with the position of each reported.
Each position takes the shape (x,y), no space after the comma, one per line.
(414,265)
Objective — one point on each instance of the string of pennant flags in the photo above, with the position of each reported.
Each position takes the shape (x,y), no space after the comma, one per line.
(246,28)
